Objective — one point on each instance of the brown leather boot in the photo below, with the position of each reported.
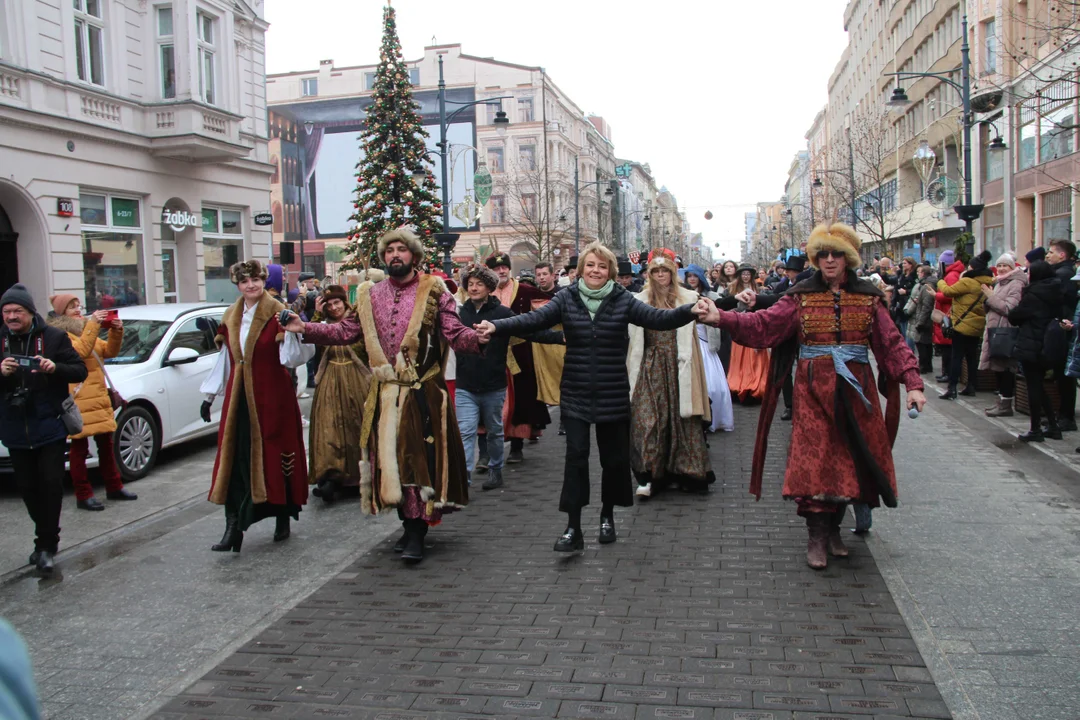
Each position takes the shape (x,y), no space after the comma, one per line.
(817,526)
(837,548)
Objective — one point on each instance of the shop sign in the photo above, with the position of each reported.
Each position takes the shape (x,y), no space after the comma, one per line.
(65,207)
(264,218)
(125,212)
(180,220)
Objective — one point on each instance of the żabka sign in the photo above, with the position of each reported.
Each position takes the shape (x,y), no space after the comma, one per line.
(180,220)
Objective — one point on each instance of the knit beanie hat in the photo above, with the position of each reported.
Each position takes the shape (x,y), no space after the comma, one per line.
(1036,254)
(981,261)
(948,257)
(17,294)
(60,302)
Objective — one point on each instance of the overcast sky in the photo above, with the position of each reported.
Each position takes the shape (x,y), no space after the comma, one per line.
(715,96)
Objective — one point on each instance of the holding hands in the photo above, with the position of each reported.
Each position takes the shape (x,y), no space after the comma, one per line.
(484,331)
(747,298)
(295,324)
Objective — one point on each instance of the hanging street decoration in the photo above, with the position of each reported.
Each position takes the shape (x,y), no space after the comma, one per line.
(482,183)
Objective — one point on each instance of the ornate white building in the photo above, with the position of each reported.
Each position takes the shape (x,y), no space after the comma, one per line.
(133,142)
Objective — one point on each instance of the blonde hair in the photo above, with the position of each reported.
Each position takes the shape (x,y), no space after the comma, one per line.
(662,297)
(595,248)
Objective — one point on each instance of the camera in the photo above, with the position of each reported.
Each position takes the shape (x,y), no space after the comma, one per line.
(27,362)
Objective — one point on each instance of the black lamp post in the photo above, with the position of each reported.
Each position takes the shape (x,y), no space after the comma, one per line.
(969,212)
(446,240)
(577,201)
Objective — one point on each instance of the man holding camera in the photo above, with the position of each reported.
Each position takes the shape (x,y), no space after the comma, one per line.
(38,365)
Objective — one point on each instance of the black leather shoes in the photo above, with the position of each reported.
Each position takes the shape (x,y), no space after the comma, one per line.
(607,531)
(570,541)
(34,557)
(1032,436)
(1053,433)
(948,394)
(786,415)
(1067,424)
(281,528)
(45,562)
(233,537)
(941,378)
(968,391)
(514,457)
(90,503)
(121,494)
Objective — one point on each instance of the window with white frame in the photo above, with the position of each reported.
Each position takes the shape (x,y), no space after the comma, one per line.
(223,246)
(990,47)
(414,75)
(369,81)
(166,51)
(207,34)
(112,243)
(525,109)
(309,87)
(90,41)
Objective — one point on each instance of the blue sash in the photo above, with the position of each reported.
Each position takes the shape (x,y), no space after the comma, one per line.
(841,355)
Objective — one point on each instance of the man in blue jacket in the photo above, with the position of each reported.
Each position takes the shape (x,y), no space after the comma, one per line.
(37,366)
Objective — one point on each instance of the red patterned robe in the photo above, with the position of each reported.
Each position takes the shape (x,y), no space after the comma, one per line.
(841,450)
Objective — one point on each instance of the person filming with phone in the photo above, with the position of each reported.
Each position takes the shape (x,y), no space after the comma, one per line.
(38,365)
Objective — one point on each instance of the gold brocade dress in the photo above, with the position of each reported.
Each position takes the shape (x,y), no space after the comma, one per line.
(337,413)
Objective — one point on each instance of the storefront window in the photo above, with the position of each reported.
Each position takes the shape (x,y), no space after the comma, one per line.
(1057,216)
(112,244)
(223,246)
(1028,137)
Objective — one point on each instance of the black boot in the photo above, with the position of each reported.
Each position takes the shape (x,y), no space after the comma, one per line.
(414,547)
(281,528)
(949,394)
(399,546)
(515,456)
(607,530)
(45,562)
(233,537)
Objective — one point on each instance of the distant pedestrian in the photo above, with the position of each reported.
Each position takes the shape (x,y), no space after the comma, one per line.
(1000,300)
(1061,255)
(920,323)
(1038,310)
(968,318)
(950,272)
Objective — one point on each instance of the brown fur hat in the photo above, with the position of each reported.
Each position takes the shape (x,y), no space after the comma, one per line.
(834,237)
(481,273)
(246,269)
(336,292)
(406,234)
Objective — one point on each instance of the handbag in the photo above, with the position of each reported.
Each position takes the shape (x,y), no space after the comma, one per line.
(948,329)
(1001,342)
(115,398)
(911,307)
(70,415)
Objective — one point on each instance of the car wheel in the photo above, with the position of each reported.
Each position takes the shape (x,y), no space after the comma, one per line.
(136,442)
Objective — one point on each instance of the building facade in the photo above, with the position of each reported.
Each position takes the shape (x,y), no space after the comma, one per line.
(533,212)
(133,139)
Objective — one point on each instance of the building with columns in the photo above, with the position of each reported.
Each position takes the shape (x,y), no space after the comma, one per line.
(133,142)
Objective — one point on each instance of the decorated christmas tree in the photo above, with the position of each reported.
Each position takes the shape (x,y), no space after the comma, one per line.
(387,197)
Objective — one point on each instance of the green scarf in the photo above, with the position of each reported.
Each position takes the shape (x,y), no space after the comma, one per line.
(593,298)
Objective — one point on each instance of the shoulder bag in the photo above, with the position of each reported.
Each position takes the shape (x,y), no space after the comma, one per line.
(1001,342)
(115,398)
(948,329)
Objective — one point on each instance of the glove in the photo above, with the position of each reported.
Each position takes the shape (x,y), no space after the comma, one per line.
(204,411)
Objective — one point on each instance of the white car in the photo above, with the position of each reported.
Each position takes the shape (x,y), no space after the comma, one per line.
(167,351)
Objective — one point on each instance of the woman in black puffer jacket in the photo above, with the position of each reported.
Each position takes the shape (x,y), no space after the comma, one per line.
(594,312)
(1039,308)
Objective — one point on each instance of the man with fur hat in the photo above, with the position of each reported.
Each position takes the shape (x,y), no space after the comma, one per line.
(841,444)
(412,458)
(525,416)
(482,379)
(337,410)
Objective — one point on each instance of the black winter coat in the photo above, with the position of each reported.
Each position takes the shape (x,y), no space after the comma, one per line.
(1064,272)
(1039,306)
(487,372)
(35,421)
(595,386)
(907,283)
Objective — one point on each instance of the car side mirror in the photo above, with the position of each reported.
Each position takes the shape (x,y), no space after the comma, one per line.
(180,356)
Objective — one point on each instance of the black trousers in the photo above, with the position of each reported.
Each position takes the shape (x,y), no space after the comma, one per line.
(40,475)
(1037,402)
(926,357)
(946,358)
(1006,381)
(613,442)
(964,347)
(788,388)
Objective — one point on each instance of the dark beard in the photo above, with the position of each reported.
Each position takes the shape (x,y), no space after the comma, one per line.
(398,270)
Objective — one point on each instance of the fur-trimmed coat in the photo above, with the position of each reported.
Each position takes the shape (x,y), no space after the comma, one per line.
(93,393)
(278,467)
(1008,288)
(410,435)
(693,388)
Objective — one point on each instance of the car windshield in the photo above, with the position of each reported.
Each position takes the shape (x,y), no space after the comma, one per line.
(140,339)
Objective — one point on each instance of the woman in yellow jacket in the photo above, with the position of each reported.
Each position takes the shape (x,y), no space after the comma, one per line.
(968,316)
(92,397)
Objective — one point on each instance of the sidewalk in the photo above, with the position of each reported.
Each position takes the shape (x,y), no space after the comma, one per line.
(704,608)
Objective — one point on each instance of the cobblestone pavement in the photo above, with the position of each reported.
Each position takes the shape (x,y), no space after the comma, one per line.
(704,608)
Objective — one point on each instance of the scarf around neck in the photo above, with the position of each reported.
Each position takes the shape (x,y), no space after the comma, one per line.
(593,298)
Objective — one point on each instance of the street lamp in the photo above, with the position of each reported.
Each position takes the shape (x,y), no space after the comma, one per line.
(447,240)
(968,212)
(577,201)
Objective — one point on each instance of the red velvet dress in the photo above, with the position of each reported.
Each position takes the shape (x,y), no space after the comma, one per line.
(841,447)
